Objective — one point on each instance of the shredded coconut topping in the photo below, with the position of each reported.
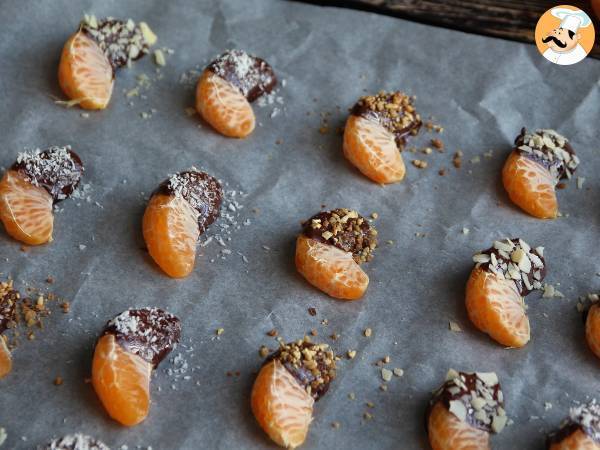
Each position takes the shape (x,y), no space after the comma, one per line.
(76,441)
(551,149)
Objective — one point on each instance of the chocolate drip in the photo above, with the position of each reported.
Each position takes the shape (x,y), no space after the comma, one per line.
(150,333)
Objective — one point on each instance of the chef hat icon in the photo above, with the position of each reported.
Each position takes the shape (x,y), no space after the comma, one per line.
(570,19)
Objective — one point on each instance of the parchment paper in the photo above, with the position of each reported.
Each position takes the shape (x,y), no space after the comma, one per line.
(481,90)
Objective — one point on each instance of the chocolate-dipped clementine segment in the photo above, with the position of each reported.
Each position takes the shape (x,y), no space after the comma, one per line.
(534,168)
(91,56)
(375,133)
(132,344)
(5,359)
(465,410)
(31,186)
(227,88)
(592,328)
(179,211)
(579,431)
(330,249)
(287,386)
(502,275)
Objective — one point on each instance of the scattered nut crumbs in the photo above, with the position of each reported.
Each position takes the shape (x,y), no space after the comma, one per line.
(58,381)
(335,425)
(272,333)
(312,311)
(351,354)
(368,332)
(457,159)
(438,144)
(454,326)
(220,331)
(398,372)
(386,374)
(419,164)
(263,351)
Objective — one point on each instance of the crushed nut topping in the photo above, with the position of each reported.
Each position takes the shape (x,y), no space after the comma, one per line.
(393,110)
(312,365)
(550,149)
(202,191)
(76,441)
(345,229)
(514,259)
(121,41)
(8,302)
(475,398)
(250,74)
(56,169)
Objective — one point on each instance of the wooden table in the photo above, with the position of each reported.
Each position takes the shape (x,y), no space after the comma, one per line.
(508,19)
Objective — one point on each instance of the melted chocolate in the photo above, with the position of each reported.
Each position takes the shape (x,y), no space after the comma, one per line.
(503,260)
(394,111)
(202,191)
(150,333)
(585,417)
(120,41)
(315,380)
(56,169)
(470,389)
(344,229)
(76,442)
(549,149)
(8,302)
(253,76)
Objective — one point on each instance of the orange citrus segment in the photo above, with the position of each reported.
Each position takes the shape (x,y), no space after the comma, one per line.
(85,73)
(592,329)
(223,106)
(448,432)
(171,232)
(5,359)
(530,186)
(373,150)
(330,269)
(25,209)
(122,381)
(281,406)
(577,440)
(496,308)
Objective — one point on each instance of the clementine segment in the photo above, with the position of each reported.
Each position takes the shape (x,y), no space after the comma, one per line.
(530,186)
(5,359)
(592,329)
(85,73)
(25,209)
(171,232)
(373,150)
(577,440)
(122,381)
(330,269)
(496,308)
(223,106)
(281,406)
(448,432)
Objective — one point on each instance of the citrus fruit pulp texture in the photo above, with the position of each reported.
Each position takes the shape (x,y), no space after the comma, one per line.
(448,432)
(281,406)
(25,209)
(330,269)
(530,186)
(223,106)
(496,308)
(372,149)
(5,359)
(122,381)
(592,329)
(170,229)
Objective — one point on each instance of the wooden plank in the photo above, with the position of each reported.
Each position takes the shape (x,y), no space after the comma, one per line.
(507,19)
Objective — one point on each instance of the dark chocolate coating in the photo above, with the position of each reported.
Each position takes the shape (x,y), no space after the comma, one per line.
(520,285)
(303,375)
(150,333)
(362,110)
(444,395)
(7,309)
(558,164)
(566,430)
(202,191)
(353,240)
(59,178)
(253,79)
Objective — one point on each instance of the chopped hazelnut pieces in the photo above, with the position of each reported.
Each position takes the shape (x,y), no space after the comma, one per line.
(345,229)
(457,159)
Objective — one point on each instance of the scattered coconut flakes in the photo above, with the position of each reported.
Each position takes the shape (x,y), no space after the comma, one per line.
(551,292)
(580,181)
(547,406)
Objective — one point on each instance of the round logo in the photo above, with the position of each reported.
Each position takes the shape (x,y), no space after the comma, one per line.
(564,35)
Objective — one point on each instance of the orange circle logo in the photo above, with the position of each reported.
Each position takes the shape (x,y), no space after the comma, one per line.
(564,35)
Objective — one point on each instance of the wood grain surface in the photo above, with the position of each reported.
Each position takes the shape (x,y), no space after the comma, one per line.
(508,19)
